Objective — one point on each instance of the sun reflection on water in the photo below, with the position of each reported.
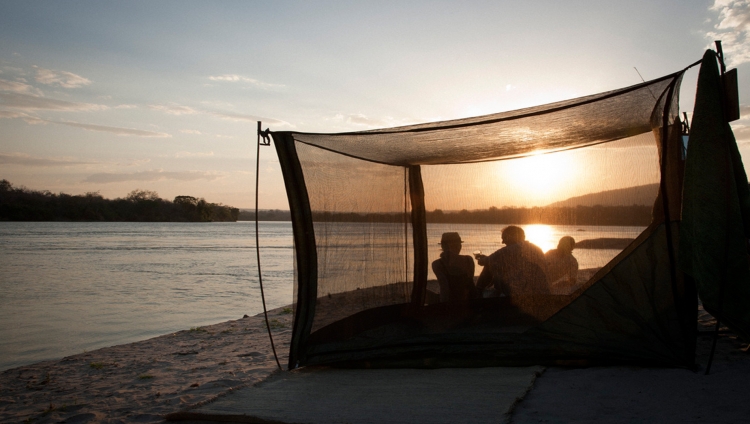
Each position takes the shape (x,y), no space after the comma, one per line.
(541,235)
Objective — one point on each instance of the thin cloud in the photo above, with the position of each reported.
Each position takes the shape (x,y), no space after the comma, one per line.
(33,120)
(741,131)
(740,128)
(239,78)
(217,104)
(242,117)
(12,70)
(28,160)
(126,107)
(194,132)
(733,29)
(193,154)
(137,162)
(61,78)
(174,109)
(113,130)
(30,119)
(154,175)
(29,102)
(361,119)
(7,114)
(15,86)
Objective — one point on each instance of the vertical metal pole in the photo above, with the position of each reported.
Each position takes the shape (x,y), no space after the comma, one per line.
(406,226)
(419,235)
(306,265)
(257,248)
(665,130)
(722,283)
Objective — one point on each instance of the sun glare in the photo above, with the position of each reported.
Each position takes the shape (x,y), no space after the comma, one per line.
(540,235)
(538,179)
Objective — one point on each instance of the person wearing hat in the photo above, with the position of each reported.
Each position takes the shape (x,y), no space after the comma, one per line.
(519,268)
(454,272)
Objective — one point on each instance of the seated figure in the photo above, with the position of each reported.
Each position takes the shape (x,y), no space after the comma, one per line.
(518,268)
(562,267)
(454,272)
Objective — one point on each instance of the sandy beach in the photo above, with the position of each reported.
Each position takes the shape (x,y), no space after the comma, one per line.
(142,382)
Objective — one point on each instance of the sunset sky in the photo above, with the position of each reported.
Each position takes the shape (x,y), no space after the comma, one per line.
(164,96)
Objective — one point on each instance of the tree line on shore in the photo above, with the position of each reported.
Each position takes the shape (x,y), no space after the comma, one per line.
(633,215)
(265,215)
(22,204)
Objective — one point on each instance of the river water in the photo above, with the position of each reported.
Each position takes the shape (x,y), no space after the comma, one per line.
(69,287)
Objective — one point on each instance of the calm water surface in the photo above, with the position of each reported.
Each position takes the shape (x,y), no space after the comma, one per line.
(70,287)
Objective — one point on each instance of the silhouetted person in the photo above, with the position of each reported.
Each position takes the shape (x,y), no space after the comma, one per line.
(562,267)
(454,272)
(517,268)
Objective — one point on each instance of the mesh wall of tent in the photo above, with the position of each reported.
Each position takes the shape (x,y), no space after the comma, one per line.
(369,209)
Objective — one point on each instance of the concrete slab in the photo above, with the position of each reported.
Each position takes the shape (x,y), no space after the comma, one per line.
(328,395)
(638,395)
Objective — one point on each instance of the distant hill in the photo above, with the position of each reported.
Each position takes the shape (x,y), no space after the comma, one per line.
(638,195)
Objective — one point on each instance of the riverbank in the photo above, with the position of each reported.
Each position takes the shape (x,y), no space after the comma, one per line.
(141,382)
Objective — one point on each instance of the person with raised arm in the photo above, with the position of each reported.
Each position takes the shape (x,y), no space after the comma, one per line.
(518,268)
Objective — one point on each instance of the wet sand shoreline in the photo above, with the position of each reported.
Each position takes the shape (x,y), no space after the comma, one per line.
(143,381)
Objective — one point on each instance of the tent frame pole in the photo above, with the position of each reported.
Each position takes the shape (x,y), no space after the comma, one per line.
(406,224)
(263,140)
(722,282)
(419,235)
(670,177)
(304,245)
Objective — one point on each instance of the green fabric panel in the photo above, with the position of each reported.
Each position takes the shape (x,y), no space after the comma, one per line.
(629,313)
(716,208)
(743,190)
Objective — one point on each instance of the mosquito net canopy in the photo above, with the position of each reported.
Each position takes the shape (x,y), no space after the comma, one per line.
(541,235)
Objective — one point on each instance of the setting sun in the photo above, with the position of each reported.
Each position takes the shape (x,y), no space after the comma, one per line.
(539,178)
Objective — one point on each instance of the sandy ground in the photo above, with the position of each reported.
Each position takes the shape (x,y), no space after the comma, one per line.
(141,382)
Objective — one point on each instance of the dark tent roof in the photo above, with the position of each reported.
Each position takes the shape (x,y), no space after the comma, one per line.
(568,124)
